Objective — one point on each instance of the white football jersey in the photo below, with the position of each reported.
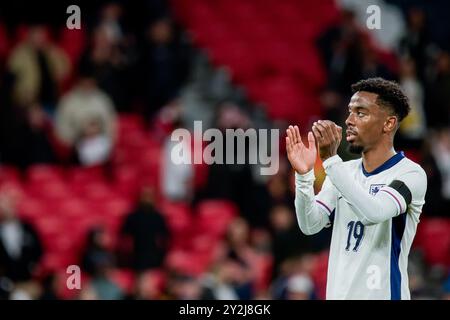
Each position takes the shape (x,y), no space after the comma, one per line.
(368,260)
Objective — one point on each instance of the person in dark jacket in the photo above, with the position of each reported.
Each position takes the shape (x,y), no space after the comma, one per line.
(147,233)
(20,247)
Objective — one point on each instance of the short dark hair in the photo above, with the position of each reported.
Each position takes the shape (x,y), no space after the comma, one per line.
(389,94)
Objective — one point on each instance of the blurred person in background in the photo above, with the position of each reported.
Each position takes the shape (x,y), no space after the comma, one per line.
(224,281)
(244,255)
(341,50)
(184,287)
(39,67)
(94,146)
(39,136)
(233,181)
(287,241)
(99,261)
(88,292)
(97,249)
(164,65)
(413,127)
(416,42)
(49,287)
(177,178)
(26,134)
(144,234)
(446,289)
(440,150)
(300,287)
(86,119)
(290,268)
(103,285)
(20,246)
(438,105)
(147,286)
(435,204)
(111,56)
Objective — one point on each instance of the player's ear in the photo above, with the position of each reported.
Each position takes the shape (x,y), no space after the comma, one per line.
(390,124)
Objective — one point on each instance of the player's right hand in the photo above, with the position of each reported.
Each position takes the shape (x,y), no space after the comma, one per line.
(302,158)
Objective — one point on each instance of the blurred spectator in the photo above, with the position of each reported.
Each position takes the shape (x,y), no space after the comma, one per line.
(435,204)
(49,288)
(415,43)
(147,233)
(20,247)
(30,290)
(244,256)
(413,127)
(39,68)
(300,287)
(233,181)
(440,149)
(110,57)
(96,251)
(146,287)
(111,15)
(39,136)
(103,285)
(446,289)
(98,261)
(177,178)
(184,287)
(95,146)
(88,293)
(341,49)
(288,240)
(438,106)
(27,136)
(221,283)
(87,113)
(164,65)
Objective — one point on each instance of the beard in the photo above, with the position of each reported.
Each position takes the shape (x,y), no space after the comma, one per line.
(355,149)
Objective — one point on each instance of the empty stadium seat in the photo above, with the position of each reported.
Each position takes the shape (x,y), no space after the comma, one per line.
(43,173)
(433,237)
(214,216)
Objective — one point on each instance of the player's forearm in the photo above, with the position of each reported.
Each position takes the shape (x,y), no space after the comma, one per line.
(369,209)
(309,217)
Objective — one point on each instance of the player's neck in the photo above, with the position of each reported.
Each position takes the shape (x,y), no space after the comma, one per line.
(375,157)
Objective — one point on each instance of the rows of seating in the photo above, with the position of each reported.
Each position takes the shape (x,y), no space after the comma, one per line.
(279,66)
(65,202)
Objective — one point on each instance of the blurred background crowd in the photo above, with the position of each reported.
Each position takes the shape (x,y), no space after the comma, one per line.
(85,121)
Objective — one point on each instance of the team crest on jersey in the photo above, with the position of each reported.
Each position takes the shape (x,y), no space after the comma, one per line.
(374,188)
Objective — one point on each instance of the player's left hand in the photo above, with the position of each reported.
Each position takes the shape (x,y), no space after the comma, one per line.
(328,136)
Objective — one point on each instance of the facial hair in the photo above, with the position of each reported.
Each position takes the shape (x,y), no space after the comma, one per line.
(355,149)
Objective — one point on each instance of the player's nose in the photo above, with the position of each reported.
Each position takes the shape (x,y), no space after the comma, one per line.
(349,121)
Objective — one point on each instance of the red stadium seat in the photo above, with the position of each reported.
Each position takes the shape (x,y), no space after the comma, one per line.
(73,43)
(42,173)
(319,274)
(214,216)
(186,262)
(124,278)
(78,176)
(433,237)
(9,174)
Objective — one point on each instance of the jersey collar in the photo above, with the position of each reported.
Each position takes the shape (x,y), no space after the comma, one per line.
(388,164)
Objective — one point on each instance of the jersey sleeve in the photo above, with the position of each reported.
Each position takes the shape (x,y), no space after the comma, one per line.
(408,190)
(389,202)
(313,212)
(327,198)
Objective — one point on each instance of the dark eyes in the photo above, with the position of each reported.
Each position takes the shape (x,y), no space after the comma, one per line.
(359,113)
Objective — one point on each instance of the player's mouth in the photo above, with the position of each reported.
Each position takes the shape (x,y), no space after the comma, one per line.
(351,135)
